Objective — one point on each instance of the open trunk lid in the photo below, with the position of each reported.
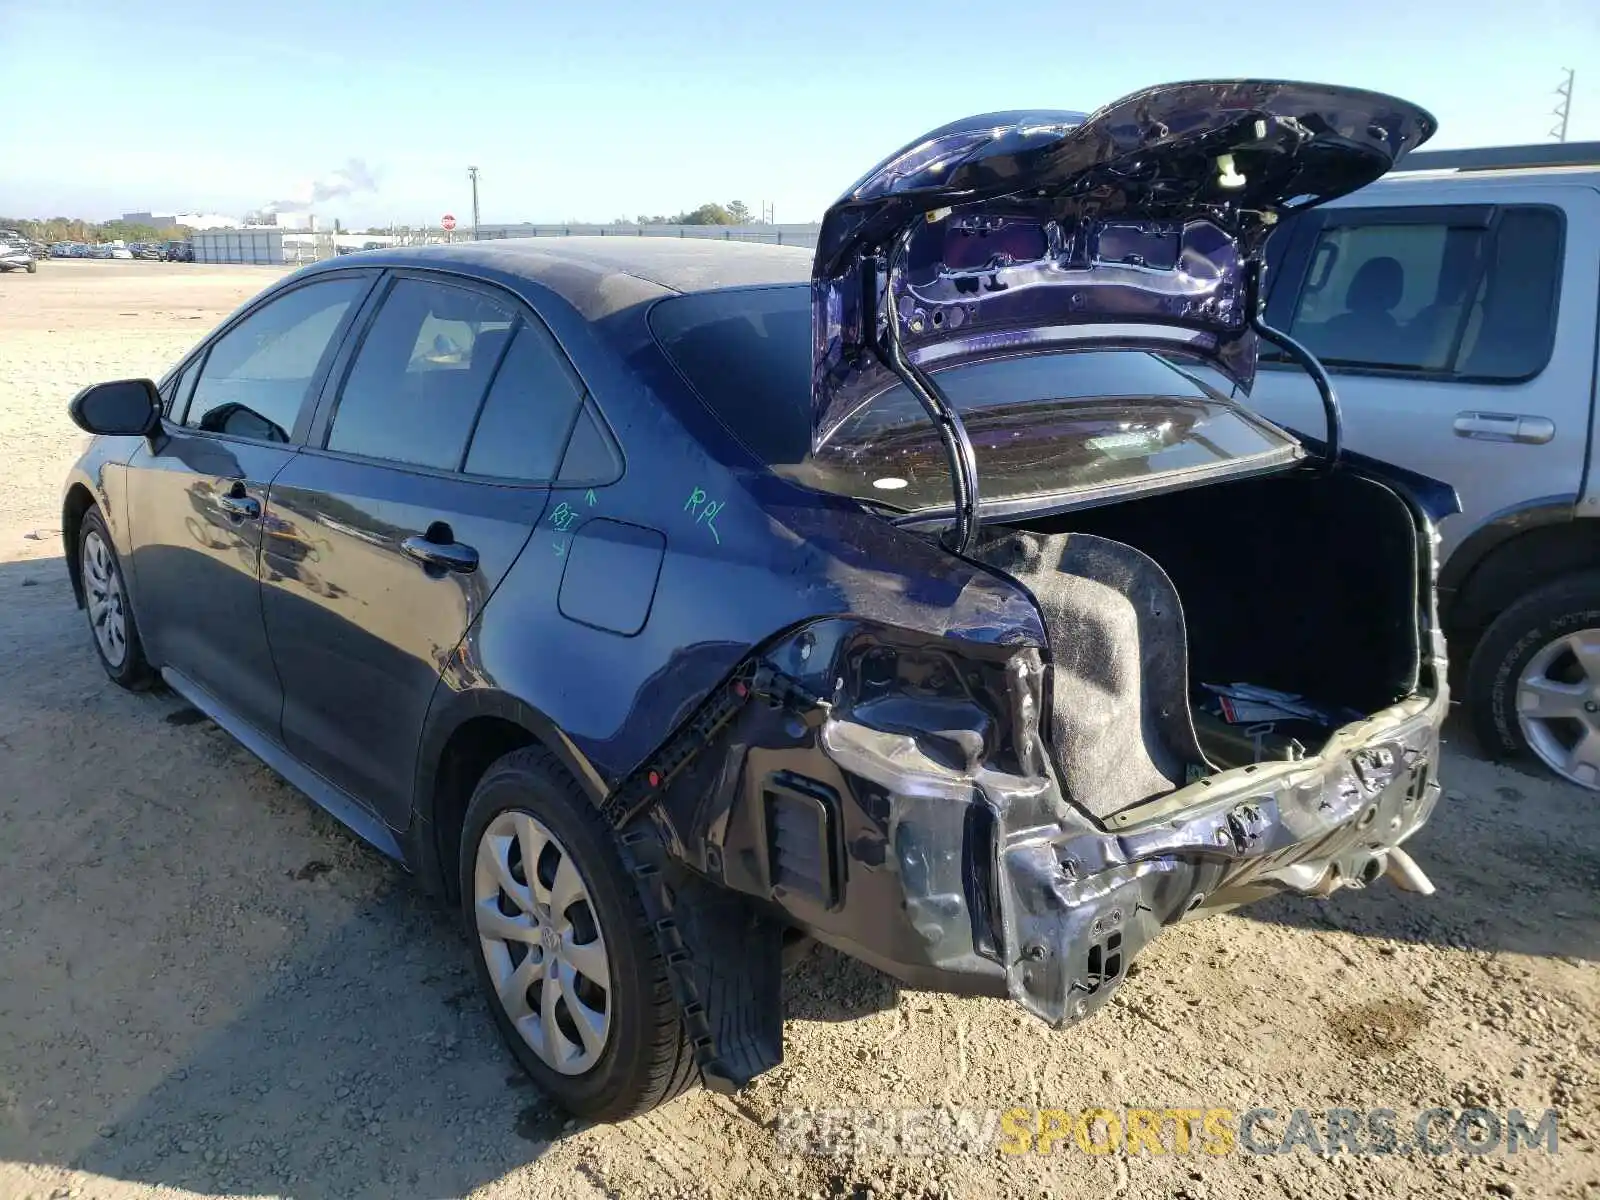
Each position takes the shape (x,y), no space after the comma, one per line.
(1137,227)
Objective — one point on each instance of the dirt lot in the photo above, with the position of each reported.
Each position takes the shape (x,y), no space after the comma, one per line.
(206,987)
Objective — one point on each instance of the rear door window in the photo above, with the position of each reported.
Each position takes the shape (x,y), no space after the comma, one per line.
(413,393)
(528,414)
(1472,297)
(257,376)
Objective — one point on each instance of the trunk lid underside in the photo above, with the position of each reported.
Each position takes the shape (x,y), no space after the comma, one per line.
(1136,227)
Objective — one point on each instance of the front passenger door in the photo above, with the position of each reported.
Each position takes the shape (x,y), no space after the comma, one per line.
(196,493)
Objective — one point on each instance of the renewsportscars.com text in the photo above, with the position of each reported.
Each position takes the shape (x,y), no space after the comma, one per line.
(921,1132)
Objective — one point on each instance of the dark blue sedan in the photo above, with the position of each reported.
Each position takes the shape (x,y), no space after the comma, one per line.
(668,604)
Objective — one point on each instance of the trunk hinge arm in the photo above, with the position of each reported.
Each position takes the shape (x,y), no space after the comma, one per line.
(957,445)
(1255,306)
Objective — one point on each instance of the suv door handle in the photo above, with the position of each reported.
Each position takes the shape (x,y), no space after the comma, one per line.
(1505,427)
(438,551)
(238,505)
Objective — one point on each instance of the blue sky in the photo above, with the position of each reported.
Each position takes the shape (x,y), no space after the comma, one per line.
(608,108)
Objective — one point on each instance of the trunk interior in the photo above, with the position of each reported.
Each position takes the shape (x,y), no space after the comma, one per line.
(1304,584)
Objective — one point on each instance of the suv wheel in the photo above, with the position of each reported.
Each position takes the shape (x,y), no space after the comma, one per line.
(1533,684)
(105,600)
(562,946)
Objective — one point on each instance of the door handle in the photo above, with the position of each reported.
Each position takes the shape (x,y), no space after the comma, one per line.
(1504,427)
(438,550)
(238,505)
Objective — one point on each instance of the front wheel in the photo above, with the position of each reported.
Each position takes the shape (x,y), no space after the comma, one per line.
(1533,684)
(562,947)
(105,600)
(33,268)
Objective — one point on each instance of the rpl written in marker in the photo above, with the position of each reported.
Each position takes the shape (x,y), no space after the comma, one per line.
(705,510)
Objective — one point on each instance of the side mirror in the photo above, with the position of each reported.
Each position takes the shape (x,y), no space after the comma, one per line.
(125,407)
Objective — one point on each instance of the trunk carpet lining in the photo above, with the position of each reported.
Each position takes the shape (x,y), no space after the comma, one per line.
(1119,705)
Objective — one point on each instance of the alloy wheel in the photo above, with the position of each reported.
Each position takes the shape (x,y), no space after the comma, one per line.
(102,585)
(539,933)
(1558,706)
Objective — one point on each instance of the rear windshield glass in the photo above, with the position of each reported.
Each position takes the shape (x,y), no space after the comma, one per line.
(1040,424)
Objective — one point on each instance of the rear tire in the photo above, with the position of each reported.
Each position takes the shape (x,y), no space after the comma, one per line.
(632,1053)
(112,627)
(1519,649)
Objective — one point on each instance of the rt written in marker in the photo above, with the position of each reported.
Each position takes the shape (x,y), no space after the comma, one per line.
(705,511)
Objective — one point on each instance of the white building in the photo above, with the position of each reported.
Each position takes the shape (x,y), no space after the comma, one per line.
(303,221)
(170,220)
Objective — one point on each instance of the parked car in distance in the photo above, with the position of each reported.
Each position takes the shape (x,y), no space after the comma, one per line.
(657,633)
(1457,304)
(178,251)
(16,253)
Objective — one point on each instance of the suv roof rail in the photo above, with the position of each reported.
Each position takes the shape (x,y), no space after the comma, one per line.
(1492,158)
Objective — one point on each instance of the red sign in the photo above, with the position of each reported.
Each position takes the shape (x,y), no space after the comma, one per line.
(447,222)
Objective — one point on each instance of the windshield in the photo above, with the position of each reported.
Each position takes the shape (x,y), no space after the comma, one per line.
(1040,424)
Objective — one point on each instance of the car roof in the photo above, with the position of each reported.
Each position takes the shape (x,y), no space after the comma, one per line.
(602,275)
(1411,187)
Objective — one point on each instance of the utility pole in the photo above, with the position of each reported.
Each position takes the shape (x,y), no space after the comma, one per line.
(472,174)
(1564,109)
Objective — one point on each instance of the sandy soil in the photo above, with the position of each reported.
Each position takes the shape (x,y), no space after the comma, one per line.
(208,988)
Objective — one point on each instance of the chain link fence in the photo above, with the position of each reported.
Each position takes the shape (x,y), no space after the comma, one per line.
(266,244)
(781,235)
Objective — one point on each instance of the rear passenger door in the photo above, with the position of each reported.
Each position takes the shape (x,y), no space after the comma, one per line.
(428,467)
(1451,332)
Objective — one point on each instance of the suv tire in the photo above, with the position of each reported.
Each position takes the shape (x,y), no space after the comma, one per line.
(1525,630)
(643,1057)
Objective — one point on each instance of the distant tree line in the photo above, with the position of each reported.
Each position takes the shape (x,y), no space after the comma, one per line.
(735,212)
(72,229)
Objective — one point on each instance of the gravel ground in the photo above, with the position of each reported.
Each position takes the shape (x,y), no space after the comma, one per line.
(208,988)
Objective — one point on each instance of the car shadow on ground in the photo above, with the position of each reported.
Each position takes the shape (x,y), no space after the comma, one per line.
(1514,855)
(206,983)
(829,986)
(257,1002)
(364,1066)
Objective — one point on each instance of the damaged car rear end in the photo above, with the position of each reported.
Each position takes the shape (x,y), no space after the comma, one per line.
(1195,660)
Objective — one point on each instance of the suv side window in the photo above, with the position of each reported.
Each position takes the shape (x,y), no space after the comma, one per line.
(413,392)
(528,414)
(1469,299)
(256,375)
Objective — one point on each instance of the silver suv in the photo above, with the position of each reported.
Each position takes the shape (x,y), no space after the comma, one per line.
(1456,303)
